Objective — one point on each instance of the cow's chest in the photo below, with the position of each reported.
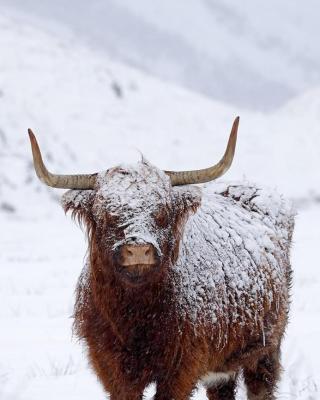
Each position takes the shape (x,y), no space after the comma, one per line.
(149,347)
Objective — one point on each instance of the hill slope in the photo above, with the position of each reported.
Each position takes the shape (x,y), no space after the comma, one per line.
(90,113)
(246,53)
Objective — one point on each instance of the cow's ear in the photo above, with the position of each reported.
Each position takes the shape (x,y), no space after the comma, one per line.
(79,202)
(187,197)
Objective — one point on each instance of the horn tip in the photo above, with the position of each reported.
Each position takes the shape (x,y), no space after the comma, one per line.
(31,134)
(235,126)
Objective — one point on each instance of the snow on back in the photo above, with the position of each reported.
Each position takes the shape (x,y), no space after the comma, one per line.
(234,254)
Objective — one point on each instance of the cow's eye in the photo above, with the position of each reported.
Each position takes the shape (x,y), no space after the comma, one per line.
(162,218)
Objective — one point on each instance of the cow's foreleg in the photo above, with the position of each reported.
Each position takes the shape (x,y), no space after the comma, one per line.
(115,381)
(177,393)
(129,394)
(178,387)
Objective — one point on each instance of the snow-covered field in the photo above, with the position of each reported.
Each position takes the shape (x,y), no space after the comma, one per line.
(89,113)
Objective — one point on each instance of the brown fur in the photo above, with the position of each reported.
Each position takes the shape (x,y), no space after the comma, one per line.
(136,335)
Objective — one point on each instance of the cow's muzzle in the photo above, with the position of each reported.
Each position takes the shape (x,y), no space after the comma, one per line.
(137,262)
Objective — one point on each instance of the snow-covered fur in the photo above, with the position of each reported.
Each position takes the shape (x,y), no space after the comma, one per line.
(218,302)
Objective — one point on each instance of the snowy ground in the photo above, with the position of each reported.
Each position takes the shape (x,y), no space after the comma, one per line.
(90,113)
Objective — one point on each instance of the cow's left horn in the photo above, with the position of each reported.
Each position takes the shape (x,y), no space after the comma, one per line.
(58,181)
(208,174)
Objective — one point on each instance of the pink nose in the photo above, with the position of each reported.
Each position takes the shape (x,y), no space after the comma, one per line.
(141,254)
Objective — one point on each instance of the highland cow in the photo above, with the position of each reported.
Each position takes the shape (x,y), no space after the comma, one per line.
(183,284)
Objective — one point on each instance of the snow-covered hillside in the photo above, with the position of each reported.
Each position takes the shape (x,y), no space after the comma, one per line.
(246,53)
(90,112)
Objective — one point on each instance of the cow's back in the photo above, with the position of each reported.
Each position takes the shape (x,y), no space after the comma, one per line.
(233,270)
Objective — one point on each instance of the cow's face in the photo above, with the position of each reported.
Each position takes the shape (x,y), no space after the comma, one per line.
(135,219)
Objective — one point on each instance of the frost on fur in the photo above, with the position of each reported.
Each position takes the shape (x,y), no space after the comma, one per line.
(215,298)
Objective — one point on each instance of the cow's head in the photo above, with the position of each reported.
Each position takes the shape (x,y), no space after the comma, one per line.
(135,217)
(134,214)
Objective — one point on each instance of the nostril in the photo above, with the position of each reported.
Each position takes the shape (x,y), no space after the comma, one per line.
(137,255)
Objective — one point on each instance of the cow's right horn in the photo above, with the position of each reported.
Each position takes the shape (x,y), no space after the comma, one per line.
(54,180)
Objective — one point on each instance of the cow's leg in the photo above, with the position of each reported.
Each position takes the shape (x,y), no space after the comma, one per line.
(222,390)
(114,381)
(178,386)
(126,394)
(168,393)
(262,377)
(120,389)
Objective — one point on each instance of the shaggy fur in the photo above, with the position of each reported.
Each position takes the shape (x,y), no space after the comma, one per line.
(137,334)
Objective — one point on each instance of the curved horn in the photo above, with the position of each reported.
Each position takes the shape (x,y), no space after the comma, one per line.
(208,174)
(58,181)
